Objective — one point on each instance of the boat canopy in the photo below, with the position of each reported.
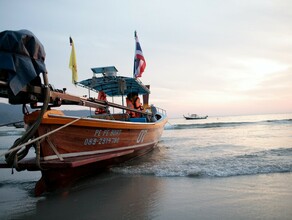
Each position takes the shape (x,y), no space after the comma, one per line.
(112,84)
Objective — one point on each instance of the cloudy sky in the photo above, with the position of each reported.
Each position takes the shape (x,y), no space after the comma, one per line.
(214,57)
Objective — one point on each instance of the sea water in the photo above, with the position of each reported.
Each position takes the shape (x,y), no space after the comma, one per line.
(220,147)
(199,169)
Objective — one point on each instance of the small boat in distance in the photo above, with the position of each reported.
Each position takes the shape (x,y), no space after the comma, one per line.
(195,117)
(67,148)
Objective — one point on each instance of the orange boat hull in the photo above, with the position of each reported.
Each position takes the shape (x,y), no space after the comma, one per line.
(87,146)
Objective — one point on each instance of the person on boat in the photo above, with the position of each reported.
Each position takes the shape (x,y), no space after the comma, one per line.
(130,105)
(102,97)
(133,101)
(137,104)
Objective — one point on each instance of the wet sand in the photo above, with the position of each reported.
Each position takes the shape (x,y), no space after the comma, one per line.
(115,196)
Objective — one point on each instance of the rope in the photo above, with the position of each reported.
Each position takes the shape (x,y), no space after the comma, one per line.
(38,155)
(169,123)
(40,137)
(10,158)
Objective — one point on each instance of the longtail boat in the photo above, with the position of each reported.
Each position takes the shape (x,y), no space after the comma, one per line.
(68,148)
(195,117)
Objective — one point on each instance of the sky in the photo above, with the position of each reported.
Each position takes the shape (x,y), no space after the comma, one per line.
(211,57)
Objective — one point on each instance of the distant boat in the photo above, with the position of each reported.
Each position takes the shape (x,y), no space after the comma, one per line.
(194,117)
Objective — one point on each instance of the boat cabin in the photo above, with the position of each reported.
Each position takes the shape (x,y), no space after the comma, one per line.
(106,80)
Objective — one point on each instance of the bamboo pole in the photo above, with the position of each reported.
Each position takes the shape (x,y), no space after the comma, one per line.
(94,103)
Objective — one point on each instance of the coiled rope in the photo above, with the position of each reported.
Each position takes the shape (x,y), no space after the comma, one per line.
(17,153)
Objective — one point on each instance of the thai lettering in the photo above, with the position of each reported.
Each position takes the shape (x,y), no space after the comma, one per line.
(108,132)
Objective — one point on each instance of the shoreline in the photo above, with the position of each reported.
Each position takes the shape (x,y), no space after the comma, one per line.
(115,196)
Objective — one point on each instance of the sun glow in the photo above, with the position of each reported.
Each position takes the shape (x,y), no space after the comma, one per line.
(254,71)
(263,67)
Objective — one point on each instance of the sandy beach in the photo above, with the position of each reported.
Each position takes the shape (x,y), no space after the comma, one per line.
(114,196)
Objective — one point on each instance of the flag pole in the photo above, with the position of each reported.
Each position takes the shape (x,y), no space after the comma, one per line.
(135,37)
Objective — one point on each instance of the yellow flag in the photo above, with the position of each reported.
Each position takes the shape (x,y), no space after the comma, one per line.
(72,63)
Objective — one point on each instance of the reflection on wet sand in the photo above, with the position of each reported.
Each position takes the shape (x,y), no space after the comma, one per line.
(108,196)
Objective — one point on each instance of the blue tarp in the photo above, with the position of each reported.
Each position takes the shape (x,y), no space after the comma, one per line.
(22,58)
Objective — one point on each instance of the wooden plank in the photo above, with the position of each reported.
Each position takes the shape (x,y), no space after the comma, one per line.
(30,163)
(99,158)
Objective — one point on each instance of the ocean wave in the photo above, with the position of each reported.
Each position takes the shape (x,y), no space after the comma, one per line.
(207,125)
(281,121)
(18,183)
(261,162)
(12,132)
(203,173)
(226,124)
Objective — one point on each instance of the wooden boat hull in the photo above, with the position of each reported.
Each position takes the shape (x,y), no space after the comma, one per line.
(87,146)
(55,178)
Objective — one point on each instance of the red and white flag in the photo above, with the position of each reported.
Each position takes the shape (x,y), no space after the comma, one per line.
(139,60)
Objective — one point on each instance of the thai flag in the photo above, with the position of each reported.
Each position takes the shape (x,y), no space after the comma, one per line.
(139,60)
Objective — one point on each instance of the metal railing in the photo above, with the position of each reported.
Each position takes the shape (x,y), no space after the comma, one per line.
(161,110)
